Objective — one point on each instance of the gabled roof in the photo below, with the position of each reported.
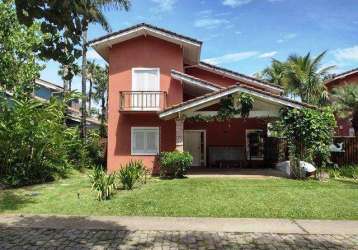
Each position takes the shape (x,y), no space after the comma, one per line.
(342,75)
(191,46)
(195,81)
(48,85)
(243,88)
(239,76)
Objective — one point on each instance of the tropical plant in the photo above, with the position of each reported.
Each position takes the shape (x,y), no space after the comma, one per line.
(309,134)
(175,163)
(301,76)
(103,184)
(91,12)
(345,99)
(100,95)
(63,72)
(18,62)
(275,73)
(131,173)
(32,146)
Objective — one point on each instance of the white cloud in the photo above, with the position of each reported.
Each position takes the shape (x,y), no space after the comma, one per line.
(92,54)
(164,5)
(210,23)
(268,54)
(235,3)
(287,37)
(347,54)
(231,58)
(238,3)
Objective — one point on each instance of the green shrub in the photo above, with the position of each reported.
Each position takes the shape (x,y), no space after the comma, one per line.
(130,173)
(348,171)
(103,184)
(175,163)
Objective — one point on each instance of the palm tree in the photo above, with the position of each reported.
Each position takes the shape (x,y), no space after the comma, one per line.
(346,101)
(100,95)
(91,11)
(275,73)
(74,70)
(305,78)
(92,70)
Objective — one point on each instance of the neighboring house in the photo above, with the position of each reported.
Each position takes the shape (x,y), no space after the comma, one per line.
(157,81)
(343,79)
(45,90)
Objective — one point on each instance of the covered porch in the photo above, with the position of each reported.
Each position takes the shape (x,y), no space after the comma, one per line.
(237,143)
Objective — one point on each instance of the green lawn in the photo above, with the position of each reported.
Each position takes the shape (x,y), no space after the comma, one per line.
(208,197)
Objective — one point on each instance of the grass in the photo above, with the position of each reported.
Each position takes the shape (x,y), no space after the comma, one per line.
(198,197)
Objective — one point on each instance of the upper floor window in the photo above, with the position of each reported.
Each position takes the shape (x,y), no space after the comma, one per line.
(145,79)
(145,89)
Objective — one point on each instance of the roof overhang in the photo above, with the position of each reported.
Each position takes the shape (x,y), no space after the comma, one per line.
(212,98)
(191,47)
(195,82)
(342,75)
(239,77)
(48,85)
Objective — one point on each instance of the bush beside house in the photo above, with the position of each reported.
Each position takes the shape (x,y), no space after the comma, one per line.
(174,164)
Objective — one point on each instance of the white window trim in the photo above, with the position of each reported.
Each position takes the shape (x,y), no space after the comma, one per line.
(132,140)
(139,69)
(247,131)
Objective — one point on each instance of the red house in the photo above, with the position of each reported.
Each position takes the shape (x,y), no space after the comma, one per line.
(343,79)
(157,82)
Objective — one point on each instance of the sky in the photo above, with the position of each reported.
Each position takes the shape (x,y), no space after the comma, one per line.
(244,35)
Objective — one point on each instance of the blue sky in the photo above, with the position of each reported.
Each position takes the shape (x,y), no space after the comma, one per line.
(244,35)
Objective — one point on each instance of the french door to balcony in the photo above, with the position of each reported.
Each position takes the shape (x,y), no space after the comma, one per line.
(145,89)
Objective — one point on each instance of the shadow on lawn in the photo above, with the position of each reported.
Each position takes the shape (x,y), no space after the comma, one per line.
(9,200)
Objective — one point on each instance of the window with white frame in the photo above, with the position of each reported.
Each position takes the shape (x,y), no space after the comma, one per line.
(145,87)
(145,140)
(255,144)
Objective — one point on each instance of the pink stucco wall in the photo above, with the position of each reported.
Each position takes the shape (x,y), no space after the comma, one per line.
(343,125)
(140,52)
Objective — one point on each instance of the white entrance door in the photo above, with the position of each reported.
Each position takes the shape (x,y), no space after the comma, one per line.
(193,144)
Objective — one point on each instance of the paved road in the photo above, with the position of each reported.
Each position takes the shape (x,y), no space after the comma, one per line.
(42,238)
(66,232)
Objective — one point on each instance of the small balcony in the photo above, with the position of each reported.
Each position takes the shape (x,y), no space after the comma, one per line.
(142,101)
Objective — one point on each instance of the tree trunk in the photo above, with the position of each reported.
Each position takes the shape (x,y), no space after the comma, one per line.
(90,97)
(103,117)
(84,81)
(355,120)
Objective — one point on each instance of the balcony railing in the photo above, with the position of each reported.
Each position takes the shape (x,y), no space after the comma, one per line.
(142,100)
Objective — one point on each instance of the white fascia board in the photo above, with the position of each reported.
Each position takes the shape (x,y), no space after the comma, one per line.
(228,92)
(145,29)
(253,113)
(48,85)
(241,78)
(193,82)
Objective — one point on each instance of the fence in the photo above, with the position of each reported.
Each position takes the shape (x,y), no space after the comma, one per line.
(276,150)
(350,151)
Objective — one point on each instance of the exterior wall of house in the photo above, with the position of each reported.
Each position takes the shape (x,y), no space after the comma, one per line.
(209,76)
(230,133)
(213,77)
(344,126)
(147,52)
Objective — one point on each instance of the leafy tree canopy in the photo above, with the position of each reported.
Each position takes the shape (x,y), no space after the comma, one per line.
(18,66)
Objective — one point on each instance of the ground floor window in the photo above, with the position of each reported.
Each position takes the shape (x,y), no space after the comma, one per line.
(255,144)
(145,141)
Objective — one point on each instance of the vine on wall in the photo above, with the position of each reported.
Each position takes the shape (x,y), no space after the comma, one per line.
(230,106)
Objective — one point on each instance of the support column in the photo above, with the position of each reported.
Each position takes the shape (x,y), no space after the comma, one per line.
(179,134)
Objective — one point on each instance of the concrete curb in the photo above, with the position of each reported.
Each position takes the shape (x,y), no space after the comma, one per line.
(241,225)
